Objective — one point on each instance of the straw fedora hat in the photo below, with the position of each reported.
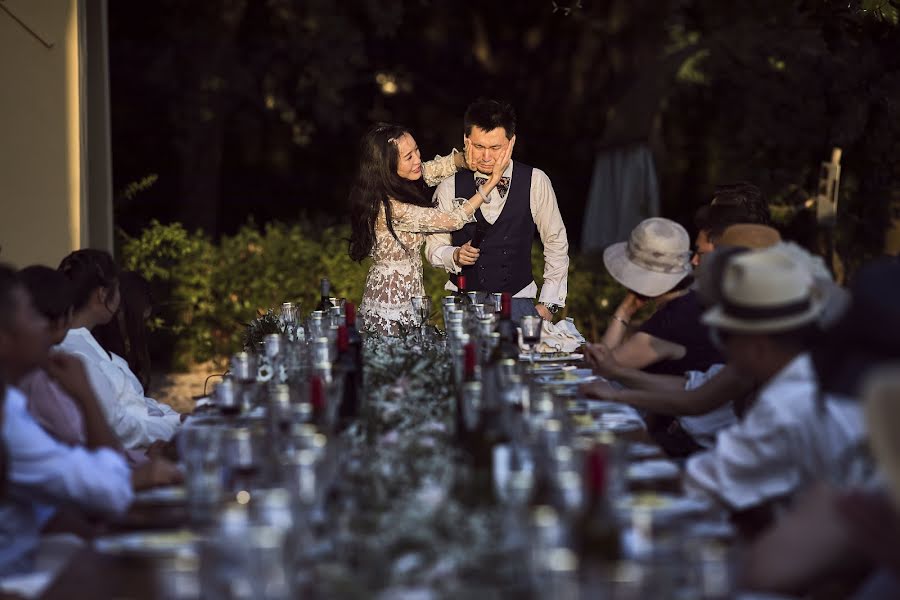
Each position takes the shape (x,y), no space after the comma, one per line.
(655,258)
(749,235)
(764,291)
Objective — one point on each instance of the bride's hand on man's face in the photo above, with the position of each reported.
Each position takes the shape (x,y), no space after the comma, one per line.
(503,162)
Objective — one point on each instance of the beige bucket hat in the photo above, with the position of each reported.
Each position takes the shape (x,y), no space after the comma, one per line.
(655,258)
(764,291)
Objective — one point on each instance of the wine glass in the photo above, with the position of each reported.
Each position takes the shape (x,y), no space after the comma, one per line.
(531,334)
(497,300)
(422,308)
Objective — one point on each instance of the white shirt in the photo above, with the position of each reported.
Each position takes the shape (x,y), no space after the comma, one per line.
(786,441)
(43,473)
(703,428)
(137,420)
(544,210)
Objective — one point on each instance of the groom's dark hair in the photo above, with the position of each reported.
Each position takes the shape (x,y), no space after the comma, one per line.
(490,114)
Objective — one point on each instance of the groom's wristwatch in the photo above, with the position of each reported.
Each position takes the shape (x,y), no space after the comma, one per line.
(553,308)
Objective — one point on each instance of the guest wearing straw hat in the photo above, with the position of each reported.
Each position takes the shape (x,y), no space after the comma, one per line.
(791,437)
(703,402)
(830,528)
(654,264)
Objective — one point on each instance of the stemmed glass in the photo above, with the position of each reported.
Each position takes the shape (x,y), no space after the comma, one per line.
(531,334)
(422,308)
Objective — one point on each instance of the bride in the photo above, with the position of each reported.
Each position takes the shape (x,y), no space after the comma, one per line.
(392,211)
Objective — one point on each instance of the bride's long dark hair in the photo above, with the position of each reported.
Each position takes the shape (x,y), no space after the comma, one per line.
(376,181)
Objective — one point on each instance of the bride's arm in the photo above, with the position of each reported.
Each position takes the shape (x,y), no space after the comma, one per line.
(408,217)
(421,219)
(442,167)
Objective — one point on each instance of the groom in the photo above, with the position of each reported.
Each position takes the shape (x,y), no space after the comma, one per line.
(522,202)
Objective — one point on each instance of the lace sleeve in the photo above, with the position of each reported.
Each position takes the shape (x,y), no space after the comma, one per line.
(408,217)
(439,169)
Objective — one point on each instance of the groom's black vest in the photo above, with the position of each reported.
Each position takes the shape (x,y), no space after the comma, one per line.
(505,261)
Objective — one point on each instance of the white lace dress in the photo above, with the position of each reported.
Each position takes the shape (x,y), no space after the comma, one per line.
(396,274)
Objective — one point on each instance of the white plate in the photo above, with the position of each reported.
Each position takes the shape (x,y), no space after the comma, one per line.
(576,377)
(148,544)
(639,451)
(173,494)
(661,506)
(552,357)
(596,408)
(619,422)
(652,470)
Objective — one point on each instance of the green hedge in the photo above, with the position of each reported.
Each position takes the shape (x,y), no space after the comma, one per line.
(205,292)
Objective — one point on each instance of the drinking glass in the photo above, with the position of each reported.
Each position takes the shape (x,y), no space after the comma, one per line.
(421,306)
(531,334)
(288,314)
(497,299)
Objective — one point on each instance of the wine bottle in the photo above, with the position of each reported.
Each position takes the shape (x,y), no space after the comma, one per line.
(347,370)
(461,289)
(355,348)
(325,300)
(318,402)
(596,533)
(506,306)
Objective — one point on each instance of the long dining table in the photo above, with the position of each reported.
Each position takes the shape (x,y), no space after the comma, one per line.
(94,573)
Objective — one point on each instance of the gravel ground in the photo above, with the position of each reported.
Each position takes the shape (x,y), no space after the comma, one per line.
(179,389)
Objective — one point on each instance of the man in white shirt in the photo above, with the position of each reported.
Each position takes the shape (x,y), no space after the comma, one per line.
(500,258)
(791,436)
(43,472)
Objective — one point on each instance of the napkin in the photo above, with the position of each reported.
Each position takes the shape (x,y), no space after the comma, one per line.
(558,337)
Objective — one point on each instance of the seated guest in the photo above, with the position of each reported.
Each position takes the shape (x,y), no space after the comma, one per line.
(655,264)
(732,204)
(831,527)
(42,472)
(57,412)
(137,420)
(792,435)
(703,402)
(126,334)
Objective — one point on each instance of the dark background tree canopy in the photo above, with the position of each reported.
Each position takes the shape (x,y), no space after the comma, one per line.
(244,109)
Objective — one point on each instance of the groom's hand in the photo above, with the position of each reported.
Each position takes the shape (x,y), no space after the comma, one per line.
(544,312)
(466,255)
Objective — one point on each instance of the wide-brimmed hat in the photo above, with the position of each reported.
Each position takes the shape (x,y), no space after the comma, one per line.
(656,257)
(764,291)
(749,235)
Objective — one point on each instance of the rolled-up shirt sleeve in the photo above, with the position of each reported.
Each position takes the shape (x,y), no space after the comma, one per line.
(550,226)
(127,411)
(44,469)
(750,464)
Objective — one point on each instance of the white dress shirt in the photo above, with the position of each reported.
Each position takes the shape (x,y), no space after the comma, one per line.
(439,247)
(704,428)
(137,420)
(787,440)
(44,473)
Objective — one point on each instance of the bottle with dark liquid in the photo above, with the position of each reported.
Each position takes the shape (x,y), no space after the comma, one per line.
(325,300)
(468,397)
(596,532)
(318,402)
(348,369)
(462,299)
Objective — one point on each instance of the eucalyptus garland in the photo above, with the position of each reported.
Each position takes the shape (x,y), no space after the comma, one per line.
(401,518)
